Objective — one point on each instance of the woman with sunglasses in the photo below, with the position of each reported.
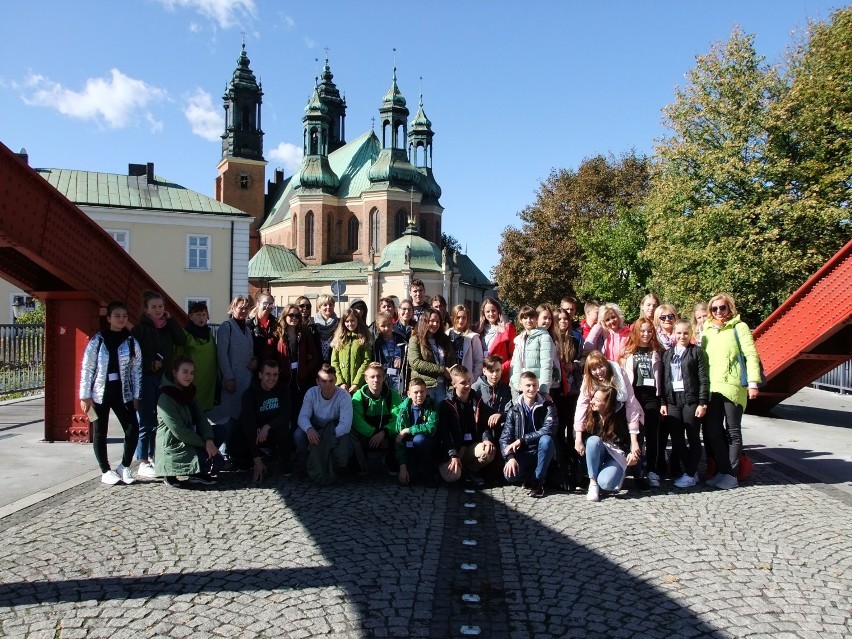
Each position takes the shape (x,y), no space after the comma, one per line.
(262,324)
(729,346)
(665,316)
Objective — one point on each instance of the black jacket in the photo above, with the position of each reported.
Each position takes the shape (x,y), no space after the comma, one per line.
(260,407)
(457,419)
(498,397)
(516,426)
(696,378)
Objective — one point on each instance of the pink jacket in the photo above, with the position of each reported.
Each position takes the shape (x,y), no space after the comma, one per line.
(609,343)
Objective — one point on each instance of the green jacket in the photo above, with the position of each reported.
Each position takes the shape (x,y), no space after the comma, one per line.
(350,360)
(423,365)
(723,362)
(372,414)
(203,353)
(427,423)
(182,429)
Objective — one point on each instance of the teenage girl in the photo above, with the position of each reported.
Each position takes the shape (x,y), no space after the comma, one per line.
(497,333)
(686,392)
(111,379)
(157,334)
(351,351)
(533,352)
(466,343)
(642,364)
(430,354)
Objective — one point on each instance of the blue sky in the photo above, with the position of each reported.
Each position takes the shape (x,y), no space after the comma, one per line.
(513,90)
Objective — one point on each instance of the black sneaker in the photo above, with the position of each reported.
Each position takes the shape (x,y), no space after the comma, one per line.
(537,490)
(642,484)
(286,468)
(475,479)
(202,479)
(173,482)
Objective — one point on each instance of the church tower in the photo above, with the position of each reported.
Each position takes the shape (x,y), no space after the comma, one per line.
(335,106)
(242,169)
(420,156)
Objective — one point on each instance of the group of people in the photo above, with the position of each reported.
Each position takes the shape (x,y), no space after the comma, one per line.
(554,402)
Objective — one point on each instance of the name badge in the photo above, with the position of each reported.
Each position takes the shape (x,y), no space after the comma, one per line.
(648,381)
(112,377)
(294,365)
(677,386)
(391,371)
(468,437)
(409,444)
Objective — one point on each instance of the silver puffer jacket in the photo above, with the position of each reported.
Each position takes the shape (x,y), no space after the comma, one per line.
(93,377)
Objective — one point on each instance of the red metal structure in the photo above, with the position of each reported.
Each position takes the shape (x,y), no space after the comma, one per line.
(55,252)
(809,334)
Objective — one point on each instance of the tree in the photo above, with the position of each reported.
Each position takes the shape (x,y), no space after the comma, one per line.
(540,262)
(450,243)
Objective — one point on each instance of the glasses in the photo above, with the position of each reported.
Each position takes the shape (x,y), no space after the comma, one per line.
(294,316)
(668,316)
(719,309)
(304,305)
(267,304)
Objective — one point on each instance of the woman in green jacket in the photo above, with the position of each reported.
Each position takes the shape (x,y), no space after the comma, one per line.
(729,346)
(183,432)
(431,354)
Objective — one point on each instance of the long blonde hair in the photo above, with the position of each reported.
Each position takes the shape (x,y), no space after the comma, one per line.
(341,332)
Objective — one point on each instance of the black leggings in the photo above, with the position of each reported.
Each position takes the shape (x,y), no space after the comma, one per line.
(685,426)
(126,417)
(647,398)
(723,433)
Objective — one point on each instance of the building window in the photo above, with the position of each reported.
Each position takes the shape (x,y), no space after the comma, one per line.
(244,181)
(122,238)
(198,252)
(352,234)
(374,229)
(401,222)
(309,234)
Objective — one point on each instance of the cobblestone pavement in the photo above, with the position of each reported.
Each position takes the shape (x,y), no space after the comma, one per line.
(371,559)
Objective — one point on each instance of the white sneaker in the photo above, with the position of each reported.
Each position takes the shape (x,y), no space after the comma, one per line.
(726,482)
(686,481)
(110,477)
(653,480)
(146,470)
(125,473)
(594,493)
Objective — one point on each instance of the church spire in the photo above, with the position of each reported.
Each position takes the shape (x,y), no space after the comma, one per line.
(420,152)
(316,172)
(243,136)
(330,97)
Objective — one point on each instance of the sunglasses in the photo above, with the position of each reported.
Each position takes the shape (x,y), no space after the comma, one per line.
(304,305)
(668,316)
(719,309)
(294,316)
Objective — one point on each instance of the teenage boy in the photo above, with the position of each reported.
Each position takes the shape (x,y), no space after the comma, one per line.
(466,427)
(325,422)
(415,429)
(389,350)
(495,392)
(374,409)
(265,420)
(417,290)
(527,441)
(590,318)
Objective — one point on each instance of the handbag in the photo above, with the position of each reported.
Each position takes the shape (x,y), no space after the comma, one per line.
(742,363)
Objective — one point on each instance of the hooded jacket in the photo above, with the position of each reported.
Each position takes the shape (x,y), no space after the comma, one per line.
(533,352)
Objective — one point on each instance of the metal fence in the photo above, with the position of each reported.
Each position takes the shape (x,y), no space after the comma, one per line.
(21,358)
(839,380)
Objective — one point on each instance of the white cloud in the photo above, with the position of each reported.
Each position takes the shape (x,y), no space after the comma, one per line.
(194,27)
(287,21)
(118,100)
(226,13)
(289,155)
(310,43)
(205,120)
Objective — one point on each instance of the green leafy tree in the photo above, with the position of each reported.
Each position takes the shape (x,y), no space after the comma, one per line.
(614,267)
(451,243)
(35,316)
(540,261)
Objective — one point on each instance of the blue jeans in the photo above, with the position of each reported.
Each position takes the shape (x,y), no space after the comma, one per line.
(420,457)
(148,415)
(602,467)
(534,461)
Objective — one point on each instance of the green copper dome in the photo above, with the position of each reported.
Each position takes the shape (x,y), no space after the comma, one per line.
(423,254)
(393,97)
(316,173)
(393,166)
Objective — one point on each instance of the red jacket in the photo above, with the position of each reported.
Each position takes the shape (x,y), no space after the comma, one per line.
(504,346)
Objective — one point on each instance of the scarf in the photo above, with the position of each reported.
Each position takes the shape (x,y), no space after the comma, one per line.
(158,323)
(183,396)
(326,327)
(198,332)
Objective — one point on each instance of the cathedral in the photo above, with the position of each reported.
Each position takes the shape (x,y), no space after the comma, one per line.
(365,214)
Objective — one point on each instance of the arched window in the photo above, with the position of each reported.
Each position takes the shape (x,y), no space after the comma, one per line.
(374,229)
(401,222)
(352,234)
(309,234)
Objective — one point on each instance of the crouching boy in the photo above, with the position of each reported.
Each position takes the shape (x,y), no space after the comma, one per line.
(527,441)
(466,430)
(415,429)
(495,393)
(374,409)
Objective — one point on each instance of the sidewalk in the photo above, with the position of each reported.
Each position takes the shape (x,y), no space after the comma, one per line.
(810,433)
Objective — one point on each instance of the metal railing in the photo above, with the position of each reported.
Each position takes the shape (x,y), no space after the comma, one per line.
(839,380)
(21,358)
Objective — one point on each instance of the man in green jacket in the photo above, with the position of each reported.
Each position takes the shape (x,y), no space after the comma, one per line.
(374,410)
